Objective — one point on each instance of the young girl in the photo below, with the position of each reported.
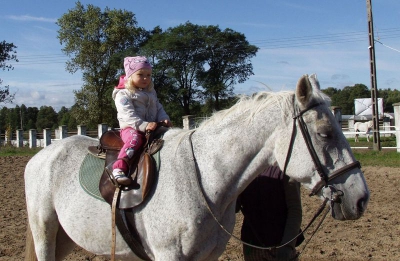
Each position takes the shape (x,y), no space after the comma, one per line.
(138,111)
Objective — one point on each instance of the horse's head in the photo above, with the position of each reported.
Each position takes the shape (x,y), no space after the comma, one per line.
(319,156)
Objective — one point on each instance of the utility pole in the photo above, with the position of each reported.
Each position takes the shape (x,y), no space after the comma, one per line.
(374,90)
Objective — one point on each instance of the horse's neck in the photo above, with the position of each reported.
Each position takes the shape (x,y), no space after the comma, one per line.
(228,162)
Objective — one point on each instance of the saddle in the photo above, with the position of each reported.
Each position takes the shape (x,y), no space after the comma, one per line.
(141,168)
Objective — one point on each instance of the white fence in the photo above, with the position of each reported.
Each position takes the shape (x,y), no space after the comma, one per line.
(189,122)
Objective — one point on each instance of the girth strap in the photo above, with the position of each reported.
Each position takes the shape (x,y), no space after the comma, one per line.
(113,230)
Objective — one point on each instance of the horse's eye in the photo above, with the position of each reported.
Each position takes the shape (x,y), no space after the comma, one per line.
(323,135)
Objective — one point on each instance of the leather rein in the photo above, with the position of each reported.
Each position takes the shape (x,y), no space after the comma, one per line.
(323,183)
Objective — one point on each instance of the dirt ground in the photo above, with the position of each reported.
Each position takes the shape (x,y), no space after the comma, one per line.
(376,236)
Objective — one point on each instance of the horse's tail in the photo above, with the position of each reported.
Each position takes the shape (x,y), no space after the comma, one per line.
(30,254)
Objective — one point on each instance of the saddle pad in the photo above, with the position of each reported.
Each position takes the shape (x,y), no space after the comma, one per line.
(89,175)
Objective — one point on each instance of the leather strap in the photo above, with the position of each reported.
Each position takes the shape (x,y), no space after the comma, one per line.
(113,230)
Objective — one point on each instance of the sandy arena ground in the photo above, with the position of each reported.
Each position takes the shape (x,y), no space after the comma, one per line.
(376,236)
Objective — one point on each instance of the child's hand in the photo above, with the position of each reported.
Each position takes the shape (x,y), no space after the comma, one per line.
(151,126)
(167,123)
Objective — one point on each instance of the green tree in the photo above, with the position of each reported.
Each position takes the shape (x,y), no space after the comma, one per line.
(97,41)
(227,55)
(46,118)
(13,119)
(330,91)
(31,115)
(7,53)
(178,56)
(23,117)
(345,98)
(65,117)
(195,63)
(4,114)
(389,98)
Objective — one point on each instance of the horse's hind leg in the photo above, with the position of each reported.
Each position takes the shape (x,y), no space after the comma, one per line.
(64,244)
(44,227)
(30,254)
(53,246)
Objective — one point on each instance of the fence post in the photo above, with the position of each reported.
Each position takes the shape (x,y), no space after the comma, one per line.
(32,138)
(20,138)
(386,125)
(63,131)
(7,137)
(337,113)
(396,107)
(101,128)
(188,122)
(47,137)
(82,130)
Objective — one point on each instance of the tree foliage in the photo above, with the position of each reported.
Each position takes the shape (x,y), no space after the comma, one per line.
(7,53)
(26,118)
(195,64)
(46,118)
(227,62)
(344,98)
(96,43)
(389,98)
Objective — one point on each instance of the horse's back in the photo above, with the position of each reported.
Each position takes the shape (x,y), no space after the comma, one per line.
(51,167)
(55,156)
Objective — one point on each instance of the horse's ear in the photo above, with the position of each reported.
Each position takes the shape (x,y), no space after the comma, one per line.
(314,81)
(304,91)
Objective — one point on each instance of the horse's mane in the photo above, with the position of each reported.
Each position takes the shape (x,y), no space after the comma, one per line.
(257,102)
(251,105)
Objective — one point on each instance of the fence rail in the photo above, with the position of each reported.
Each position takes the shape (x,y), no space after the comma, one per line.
(35,139)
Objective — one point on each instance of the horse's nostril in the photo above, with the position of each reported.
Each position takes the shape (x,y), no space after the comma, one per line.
(362,204)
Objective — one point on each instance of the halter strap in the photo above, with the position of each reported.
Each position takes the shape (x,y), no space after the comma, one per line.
(325,178)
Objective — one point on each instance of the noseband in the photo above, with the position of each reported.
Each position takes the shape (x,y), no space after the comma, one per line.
(325,177)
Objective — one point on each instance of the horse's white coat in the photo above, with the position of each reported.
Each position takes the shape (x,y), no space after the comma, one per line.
(230,149)
(364,127)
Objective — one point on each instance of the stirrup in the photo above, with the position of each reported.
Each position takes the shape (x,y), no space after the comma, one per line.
(121,178)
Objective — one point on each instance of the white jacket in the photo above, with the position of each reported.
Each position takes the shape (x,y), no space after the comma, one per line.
(137,109)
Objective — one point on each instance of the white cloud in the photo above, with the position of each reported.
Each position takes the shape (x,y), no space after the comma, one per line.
(28,18)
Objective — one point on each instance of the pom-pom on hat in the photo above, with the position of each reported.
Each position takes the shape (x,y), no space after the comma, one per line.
(133,64)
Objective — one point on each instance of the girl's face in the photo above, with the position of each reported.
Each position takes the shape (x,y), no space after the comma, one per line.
(141,78)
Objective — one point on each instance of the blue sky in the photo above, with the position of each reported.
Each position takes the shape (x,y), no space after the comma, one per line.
(329,38)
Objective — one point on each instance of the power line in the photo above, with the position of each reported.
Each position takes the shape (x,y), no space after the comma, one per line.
(387,46)
(274,43)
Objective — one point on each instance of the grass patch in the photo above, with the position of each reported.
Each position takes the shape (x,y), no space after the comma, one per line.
(383,158)
(367,157)
(385,142)
(370,157)
(14,151)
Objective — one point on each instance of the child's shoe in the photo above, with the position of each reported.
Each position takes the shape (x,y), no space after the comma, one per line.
(120,177)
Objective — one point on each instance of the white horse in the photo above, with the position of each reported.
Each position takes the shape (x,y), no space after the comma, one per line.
(202,173)
(365,127)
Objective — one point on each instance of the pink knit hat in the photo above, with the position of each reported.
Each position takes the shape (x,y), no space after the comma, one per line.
(133,64)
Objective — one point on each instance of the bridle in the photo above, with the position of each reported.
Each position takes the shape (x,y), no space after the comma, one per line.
(323,183)
(325,177)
